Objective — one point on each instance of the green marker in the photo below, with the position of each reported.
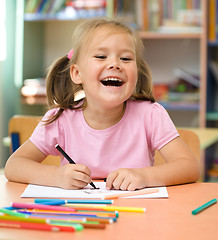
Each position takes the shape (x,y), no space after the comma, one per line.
(12,213)
(206,205)
(77,226)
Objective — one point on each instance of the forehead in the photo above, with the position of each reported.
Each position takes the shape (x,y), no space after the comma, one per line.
(102,33)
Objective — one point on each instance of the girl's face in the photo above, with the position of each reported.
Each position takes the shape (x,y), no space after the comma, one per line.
(107,68)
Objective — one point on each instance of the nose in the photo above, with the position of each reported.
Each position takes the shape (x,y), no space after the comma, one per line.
(114,66)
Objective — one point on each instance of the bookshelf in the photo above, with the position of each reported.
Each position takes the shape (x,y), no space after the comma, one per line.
(166,38)
(43,34)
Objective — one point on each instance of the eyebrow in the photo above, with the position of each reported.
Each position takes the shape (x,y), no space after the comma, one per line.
(121,50)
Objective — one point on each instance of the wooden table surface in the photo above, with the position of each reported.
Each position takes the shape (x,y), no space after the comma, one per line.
(168,218)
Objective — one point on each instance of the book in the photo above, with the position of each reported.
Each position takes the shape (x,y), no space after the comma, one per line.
(188,77)
(212,20)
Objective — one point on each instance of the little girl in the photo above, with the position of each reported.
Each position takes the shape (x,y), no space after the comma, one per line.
(112,131)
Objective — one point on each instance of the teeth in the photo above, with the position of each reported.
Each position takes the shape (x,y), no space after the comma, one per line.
(112,79)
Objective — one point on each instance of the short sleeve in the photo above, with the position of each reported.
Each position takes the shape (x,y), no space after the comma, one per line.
(45,137)
(163,129)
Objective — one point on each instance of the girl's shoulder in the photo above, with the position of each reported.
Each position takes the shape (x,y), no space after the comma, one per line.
(145,106)
(66,114)
(54,111)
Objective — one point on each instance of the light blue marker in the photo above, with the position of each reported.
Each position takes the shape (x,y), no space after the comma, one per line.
(79,201)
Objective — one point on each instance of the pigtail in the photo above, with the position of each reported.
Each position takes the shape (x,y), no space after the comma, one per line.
(60,88)
(59,84)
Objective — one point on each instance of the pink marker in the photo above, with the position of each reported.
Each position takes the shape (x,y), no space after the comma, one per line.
(41,206)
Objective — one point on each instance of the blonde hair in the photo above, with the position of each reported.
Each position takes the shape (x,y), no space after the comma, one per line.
(61,90)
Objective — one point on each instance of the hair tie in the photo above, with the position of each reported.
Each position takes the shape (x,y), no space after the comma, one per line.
(70,54)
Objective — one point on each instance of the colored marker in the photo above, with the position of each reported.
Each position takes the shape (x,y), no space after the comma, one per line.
(12,213)
(129,194)
(112,208)
(99,213)
(81,215)
(87,224)
(56,216)
(204,206)
(41,206)
(79,201)
(46,220)
(101,220)
(70,160)
(23,219)
(125,209)
(35,226)
(67,216)
(76,226)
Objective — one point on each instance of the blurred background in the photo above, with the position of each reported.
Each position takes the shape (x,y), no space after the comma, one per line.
(180,38)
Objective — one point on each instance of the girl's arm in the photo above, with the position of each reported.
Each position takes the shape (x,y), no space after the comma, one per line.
(181,167)
(24,165)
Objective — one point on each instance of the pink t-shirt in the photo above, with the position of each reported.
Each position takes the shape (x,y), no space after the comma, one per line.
(131,143)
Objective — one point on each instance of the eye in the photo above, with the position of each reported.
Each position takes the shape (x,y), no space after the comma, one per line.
(126,59)
(100,57)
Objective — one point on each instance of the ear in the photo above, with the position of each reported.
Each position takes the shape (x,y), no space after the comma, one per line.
(75,74)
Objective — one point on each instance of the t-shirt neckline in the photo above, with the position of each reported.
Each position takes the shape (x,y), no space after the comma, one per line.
(106,130)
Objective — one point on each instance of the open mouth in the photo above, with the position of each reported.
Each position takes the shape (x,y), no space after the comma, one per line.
(112,82)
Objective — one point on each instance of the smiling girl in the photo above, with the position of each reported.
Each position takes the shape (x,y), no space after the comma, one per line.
(114,130)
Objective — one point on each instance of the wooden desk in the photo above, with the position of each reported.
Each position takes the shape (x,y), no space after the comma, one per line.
(207,136)
(165,218)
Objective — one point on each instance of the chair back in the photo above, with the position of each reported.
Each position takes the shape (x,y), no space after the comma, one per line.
(20,128)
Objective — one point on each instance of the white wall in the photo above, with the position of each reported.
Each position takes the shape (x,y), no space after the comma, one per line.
(58,39)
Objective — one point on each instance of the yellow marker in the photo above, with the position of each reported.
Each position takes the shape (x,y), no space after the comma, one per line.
(124,209)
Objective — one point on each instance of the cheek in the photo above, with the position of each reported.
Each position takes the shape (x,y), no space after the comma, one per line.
(133,73)
(92,68)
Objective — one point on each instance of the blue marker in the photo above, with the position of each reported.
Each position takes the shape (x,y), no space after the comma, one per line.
(76,201)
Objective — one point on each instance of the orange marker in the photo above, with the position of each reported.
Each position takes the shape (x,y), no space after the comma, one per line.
(129,194)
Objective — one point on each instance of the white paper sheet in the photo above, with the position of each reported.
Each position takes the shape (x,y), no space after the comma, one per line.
(37,191)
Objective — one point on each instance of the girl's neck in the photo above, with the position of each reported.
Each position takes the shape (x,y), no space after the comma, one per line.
(101,119)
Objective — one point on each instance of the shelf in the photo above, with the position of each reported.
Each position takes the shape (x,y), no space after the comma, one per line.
(83,14)
(39,100)
(180,106)
(158,35)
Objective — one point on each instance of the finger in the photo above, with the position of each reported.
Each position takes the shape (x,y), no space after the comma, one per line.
(118,182)
(132,186)
(82,168)
(125,184)
(82,177)
(76,184)
(110,179)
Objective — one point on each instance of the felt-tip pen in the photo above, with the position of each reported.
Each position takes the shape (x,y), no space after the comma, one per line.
(70,160)
(204,206)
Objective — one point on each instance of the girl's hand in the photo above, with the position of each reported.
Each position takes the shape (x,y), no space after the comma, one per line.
(126,179)
(73,176)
